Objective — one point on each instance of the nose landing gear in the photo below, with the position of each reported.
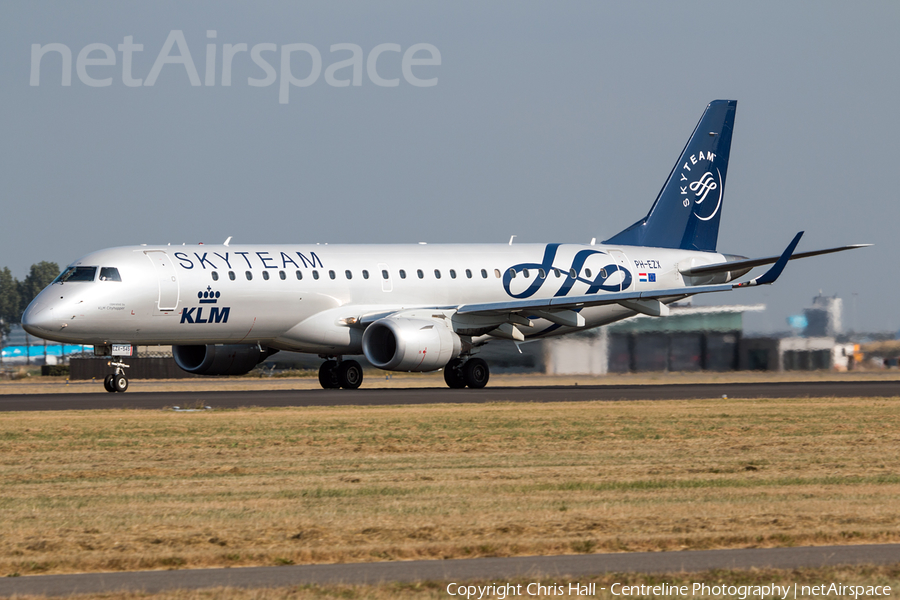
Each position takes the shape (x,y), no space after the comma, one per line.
(116,382)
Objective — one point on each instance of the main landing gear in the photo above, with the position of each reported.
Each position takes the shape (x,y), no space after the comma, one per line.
(473,373)
(116,382)
(347,374)
(334,374)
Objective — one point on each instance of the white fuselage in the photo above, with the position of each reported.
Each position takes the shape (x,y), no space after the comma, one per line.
(311,298)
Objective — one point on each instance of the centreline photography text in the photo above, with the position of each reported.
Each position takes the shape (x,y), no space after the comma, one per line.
(500,591)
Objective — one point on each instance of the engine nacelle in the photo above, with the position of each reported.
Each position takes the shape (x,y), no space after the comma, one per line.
(229,359)
(403,344)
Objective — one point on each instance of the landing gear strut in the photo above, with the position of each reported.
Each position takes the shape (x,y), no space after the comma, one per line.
(116,382)
(345,374)
(473,373)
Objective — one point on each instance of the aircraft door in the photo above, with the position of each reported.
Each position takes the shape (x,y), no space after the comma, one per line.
(165,276)
(627,280)
(384,272)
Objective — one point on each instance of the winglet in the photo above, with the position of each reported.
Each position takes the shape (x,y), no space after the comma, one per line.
(773,273)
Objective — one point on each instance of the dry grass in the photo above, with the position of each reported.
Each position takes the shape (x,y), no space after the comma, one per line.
(382,379)
(859,575)
(122,490)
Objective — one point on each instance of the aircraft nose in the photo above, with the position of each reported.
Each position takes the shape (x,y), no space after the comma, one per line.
(38,319)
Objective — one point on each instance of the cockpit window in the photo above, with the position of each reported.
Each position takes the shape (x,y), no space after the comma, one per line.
(76,274)
(109,274)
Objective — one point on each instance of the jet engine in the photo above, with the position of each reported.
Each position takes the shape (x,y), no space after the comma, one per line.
(229,359)
(405,344)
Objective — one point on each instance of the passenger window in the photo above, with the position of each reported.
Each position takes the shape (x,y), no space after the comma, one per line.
(231,275)
(109,274)
(452,274)
(420,273)
(299,275)
(497,273)
(331,274)
(402,274)
(266,275)
(542,274)
(249,275)
(525,273)
(437,274)
(469,273)
(556,272)
(587,272)
(283,275)
(512,273)
(603,273)
(348,274)
(315,274)
(365,274)
(215,276)
(484,273)
(385,274)
(572,273)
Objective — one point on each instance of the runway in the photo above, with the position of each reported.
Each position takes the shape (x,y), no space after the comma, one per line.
(411,396)
(488,569)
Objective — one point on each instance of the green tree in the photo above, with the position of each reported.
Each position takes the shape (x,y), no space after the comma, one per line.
(9,300)
(39,277)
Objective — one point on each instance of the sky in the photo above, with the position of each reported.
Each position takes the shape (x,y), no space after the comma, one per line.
(554,122)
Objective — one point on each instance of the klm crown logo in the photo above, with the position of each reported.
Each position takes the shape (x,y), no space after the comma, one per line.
(208,297)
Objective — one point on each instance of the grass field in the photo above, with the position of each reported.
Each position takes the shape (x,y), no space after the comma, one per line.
(122,490)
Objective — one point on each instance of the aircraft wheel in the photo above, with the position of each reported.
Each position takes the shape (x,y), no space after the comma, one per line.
(108,383)
(453,374)
(350,374)
(476,373)
(119,383)
(328,378)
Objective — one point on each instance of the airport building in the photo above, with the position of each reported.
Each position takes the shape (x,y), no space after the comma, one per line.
(689,339)
(709,338)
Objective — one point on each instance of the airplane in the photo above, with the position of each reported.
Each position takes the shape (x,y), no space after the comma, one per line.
(412,307)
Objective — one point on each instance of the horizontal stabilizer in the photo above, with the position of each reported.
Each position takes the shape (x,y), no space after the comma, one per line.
(739,265)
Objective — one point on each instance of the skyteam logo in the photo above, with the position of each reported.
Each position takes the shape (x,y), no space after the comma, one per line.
(610,278)
(215,314)
(704,193)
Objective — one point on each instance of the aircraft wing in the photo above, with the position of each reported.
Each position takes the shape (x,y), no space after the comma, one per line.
(758,262)
(562,309)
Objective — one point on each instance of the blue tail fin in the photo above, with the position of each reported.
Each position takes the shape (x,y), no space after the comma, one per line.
(686,212)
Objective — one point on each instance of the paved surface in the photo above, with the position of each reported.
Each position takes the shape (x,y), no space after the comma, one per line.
(363,397)
(491,569)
